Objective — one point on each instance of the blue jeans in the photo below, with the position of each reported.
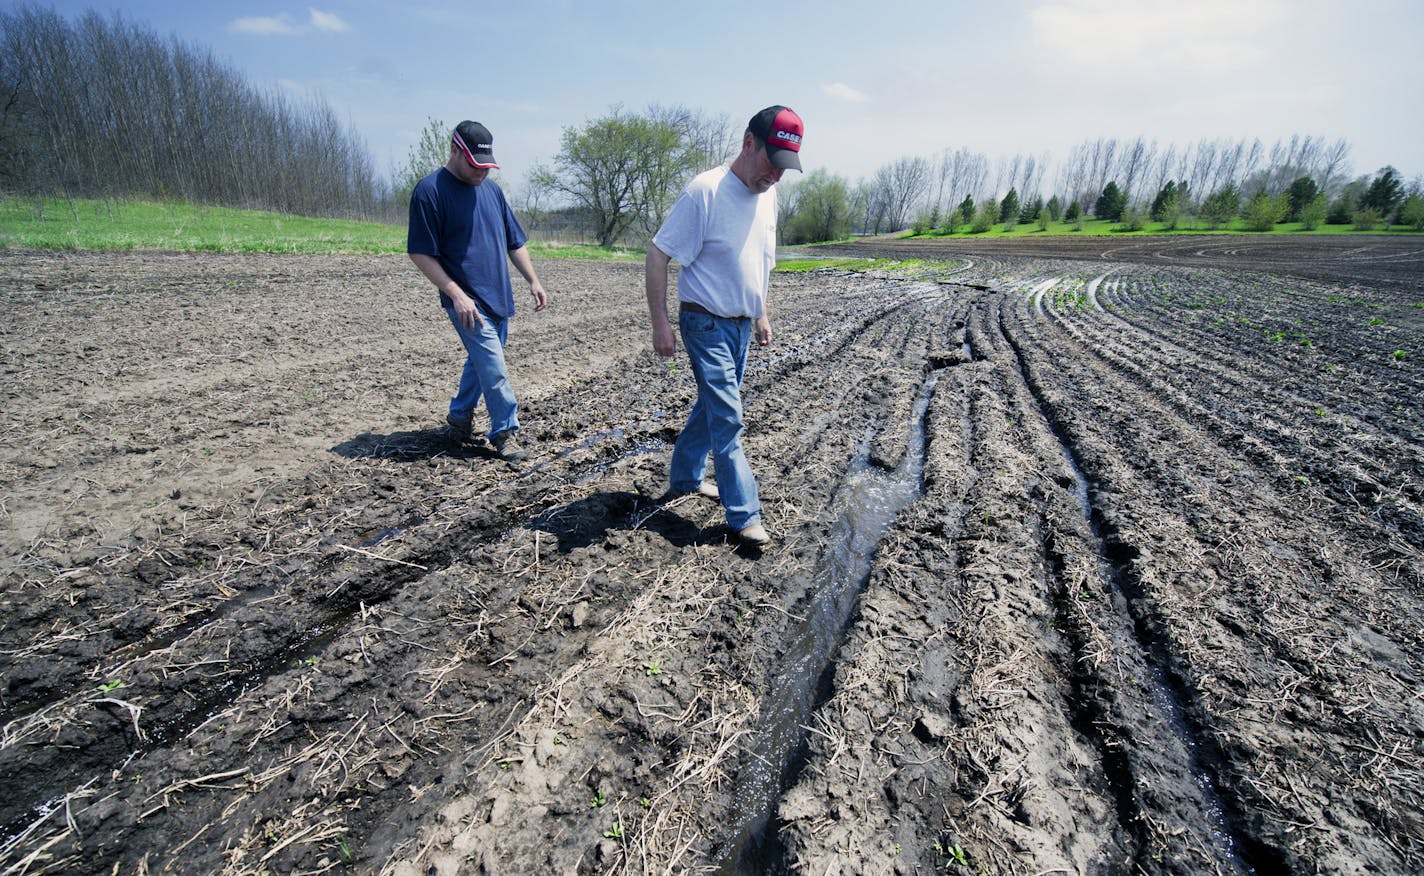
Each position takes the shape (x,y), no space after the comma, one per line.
(484,373)
(717,348)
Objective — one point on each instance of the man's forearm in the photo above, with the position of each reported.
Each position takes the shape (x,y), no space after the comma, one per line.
(655,279)
(430,267)
(524,265)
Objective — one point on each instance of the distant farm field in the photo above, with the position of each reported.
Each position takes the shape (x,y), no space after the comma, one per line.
(1090,556)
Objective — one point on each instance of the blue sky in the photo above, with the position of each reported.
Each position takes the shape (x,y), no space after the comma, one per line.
(874,81)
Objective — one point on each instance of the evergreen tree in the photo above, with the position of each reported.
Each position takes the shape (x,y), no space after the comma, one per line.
(1030,211)
(966,210)
(1384,194)
(1055,208)
(1300,193)
(1110,203)
(1071,214)
(1167,195)
(1009,208)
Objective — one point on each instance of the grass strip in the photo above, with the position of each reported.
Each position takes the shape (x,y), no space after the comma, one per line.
(59,224)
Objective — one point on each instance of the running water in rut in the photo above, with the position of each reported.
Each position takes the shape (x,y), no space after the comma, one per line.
(865,508)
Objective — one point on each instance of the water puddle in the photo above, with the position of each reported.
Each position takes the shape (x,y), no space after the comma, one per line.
(865,507)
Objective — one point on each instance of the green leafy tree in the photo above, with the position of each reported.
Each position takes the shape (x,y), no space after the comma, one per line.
(625,169)
(1313,213)
(1110,203)
(1133,219)
(1055,208)
(1367,219)
(1009,207)
(1221,206)
(1072,213)
(1411,212)
(1340,211)
(822,210)
(1300,193)
(1263,211)
(985,216)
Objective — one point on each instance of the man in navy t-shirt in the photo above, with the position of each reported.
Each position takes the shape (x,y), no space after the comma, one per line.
(461,233)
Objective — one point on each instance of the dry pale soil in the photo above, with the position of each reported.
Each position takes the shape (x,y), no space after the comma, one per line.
(1089,558)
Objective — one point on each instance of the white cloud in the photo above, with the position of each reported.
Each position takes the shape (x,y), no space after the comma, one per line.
(1146,35)
(284,25)
(267,25)
(327,21)
(841,91)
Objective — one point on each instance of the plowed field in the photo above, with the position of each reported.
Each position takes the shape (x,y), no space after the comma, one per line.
(1084,561)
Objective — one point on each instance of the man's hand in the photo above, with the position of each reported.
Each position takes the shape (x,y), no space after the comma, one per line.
(664,341)
(762,330)
(541,300)
(466,311)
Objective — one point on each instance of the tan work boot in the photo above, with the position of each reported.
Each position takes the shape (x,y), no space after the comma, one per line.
(507,446)
(754,535)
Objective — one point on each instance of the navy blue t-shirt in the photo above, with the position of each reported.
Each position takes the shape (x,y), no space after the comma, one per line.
(471,230)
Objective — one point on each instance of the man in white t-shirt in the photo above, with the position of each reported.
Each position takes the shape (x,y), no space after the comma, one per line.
(722,231)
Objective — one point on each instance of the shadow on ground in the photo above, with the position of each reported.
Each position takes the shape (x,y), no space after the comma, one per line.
(411,446)
(599,518)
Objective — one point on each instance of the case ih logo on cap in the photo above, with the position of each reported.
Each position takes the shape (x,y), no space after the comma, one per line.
(792,141)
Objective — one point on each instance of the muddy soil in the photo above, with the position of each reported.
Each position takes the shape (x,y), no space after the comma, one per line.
(1103,566)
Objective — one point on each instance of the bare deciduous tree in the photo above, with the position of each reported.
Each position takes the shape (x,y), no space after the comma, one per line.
(104,108)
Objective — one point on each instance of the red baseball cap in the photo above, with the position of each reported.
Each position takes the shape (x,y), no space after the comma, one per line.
(780,129)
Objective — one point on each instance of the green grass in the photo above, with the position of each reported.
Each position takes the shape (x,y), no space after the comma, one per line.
(1102,227)
(900,267)
(796,266)
(905,269)
(27,223)
(130,225)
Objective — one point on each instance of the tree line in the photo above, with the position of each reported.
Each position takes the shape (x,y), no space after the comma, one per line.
(605,178)
(1206,184)
(102,108)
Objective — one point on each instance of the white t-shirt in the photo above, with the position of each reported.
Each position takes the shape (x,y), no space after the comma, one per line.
(724,237)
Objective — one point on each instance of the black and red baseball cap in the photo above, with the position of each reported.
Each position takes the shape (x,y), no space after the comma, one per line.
(780,129)
(476,142)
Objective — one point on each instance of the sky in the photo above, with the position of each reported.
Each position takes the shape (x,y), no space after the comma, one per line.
(873,81)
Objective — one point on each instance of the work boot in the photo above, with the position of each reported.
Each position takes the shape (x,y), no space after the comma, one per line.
(459,427)
(507,446)
(754,535)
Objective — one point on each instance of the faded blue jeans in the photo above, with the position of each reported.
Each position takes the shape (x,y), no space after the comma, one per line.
(717,348)
(484,373)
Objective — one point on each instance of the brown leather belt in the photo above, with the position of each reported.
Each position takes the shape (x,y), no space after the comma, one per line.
(694,307)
